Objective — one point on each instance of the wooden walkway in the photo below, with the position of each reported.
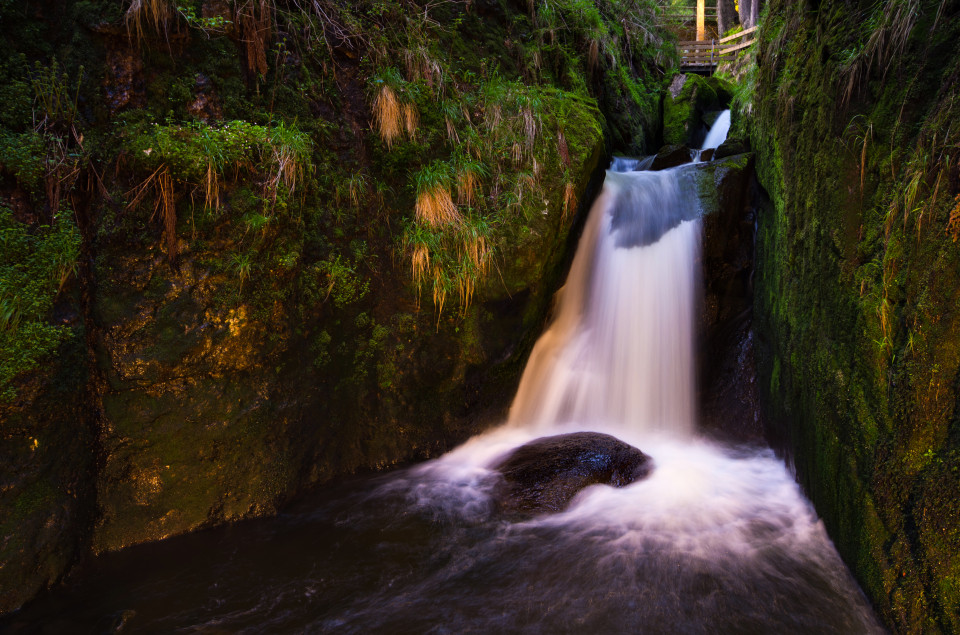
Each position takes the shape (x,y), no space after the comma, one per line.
(703,57)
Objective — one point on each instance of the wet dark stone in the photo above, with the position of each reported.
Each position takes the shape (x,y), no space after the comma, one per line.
(671,157)
(729,148)
(545,474)
(707,154)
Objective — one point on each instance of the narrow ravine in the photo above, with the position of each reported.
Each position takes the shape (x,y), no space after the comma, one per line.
(717,538)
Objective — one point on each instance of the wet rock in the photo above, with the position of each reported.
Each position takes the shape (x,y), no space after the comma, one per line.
(687,103)
(707,155)
(205,105)
(671,156)
(729,148)
(729,403)
(545,474)
(123,84)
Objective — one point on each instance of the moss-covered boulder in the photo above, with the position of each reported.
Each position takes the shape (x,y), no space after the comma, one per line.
(687,101)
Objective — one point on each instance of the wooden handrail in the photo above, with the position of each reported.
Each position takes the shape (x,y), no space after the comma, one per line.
(709,53)
(736,35)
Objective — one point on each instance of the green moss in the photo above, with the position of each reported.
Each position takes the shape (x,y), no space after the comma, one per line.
(683,114)
(33,268)
(856,294)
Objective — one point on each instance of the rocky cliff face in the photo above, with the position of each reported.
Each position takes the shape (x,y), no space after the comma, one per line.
(856,288)
(302,245)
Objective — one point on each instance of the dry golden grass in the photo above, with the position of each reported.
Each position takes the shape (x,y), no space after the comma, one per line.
(161,184)
(420,65)
(465,289)
(387,113)
(439,293)
(953,224)
(493,115)
(435,207)
(419,263)
(529,127)
(145,13)
(255,18)
(411,118)
(452,135)
(517,153)
(467,183)
(168,203)
(288,171)
(563,149)
(212,188)
(593,54)
(478,251)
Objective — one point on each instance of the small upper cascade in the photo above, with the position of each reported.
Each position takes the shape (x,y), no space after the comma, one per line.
(623,164)
(718,131)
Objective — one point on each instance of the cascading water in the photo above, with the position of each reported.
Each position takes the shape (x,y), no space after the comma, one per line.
(716,539)
(620,354)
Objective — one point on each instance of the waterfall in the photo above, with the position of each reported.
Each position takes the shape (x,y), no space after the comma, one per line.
(620,353)
(718,132)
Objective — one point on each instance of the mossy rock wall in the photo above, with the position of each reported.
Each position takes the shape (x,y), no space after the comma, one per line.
(857,286)
(47,476)
(252,324)
(686,102)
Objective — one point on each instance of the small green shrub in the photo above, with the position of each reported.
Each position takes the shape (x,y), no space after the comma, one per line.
(34,265)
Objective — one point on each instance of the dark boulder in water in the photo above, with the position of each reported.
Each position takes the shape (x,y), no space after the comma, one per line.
(671,156)
(545,474)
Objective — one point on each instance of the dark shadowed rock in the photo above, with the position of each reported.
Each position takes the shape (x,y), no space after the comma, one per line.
(729,148)
(671,156)
(545,474)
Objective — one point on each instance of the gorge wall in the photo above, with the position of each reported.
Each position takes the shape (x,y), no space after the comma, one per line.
(250,247)
(854,122)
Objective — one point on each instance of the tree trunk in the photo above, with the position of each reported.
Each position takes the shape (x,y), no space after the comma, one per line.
(746,13)
(727,17)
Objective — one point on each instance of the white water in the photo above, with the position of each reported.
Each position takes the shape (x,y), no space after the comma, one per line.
(619,358)
(718,132)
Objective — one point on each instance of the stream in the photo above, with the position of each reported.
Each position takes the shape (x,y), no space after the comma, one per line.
(717,539)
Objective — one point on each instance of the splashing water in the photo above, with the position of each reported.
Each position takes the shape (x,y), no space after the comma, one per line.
(718,132)
(716,539)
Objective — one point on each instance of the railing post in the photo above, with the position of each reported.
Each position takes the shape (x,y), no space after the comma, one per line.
(701,20)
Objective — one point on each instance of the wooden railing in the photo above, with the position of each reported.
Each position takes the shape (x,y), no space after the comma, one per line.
(707,54)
